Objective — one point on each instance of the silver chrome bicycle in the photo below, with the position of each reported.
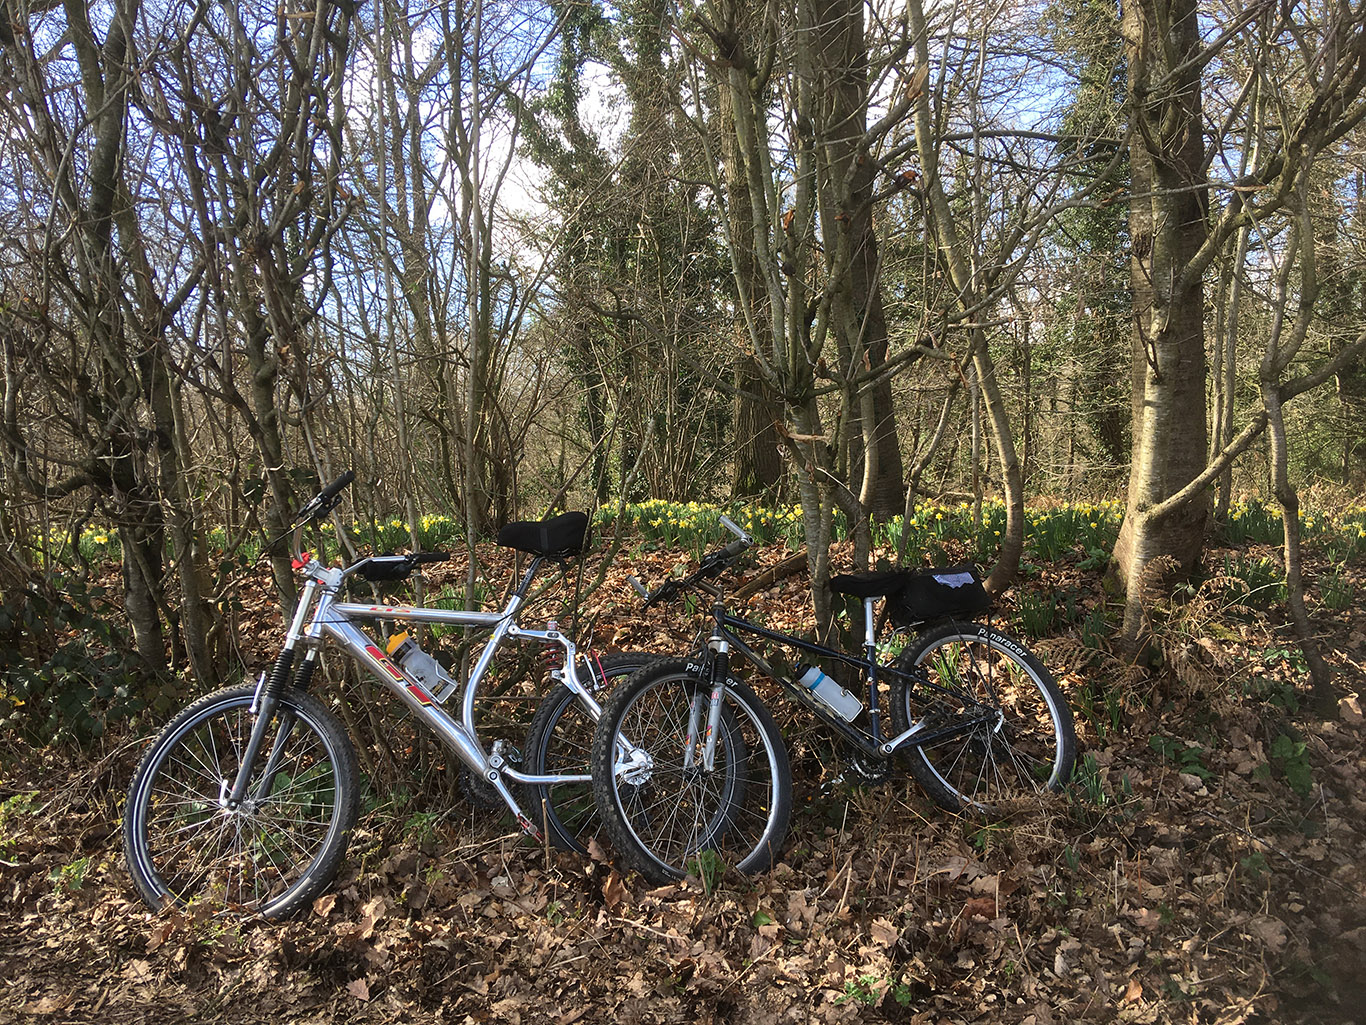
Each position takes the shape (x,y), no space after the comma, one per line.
(247,798)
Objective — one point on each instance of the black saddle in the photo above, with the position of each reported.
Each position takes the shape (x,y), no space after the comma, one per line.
(870,585)
(558,537)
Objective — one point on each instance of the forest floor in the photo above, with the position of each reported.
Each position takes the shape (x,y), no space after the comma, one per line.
(1208,865)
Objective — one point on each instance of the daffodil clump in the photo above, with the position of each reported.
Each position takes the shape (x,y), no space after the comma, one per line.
(1090,526)
(1250,521)
(930,525)
(933,531)
(95,544)
(675,524)
(767,525)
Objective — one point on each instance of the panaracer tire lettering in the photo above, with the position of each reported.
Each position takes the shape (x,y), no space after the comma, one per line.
(275,853)
(1020,742)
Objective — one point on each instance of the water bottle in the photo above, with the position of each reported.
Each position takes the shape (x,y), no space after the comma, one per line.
(829,693)
(418,664)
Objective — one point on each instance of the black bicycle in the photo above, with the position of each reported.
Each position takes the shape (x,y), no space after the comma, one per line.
(977,718)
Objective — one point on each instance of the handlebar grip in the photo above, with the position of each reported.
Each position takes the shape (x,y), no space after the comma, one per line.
(418,558)
(332,490)
(735,548)
(637,586)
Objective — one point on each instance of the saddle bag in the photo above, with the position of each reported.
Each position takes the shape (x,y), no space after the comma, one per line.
(948,593)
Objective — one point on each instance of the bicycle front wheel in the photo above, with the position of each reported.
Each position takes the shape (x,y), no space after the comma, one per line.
(1021,741)
(281,846)
(666,813)
(560,742)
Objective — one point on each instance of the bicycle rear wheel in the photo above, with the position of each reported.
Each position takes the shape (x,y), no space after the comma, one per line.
(666,814)
(561,741)
(1022,744)
(275,852)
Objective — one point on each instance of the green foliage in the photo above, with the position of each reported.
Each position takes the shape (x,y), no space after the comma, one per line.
(69,671)
(1188,757)
(1038,613)
(420,829)
(1256,582)
(1279,693)
(1105,712)
(1093,801)
(68,878)
(708,867)
(1254,864)
(13,811)
(1337,591)
(989,837)
(1095,629)
(868,990)
(1251,522)
(1291,758)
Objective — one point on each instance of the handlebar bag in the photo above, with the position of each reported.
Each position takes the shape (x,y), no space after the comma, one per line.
(938,594)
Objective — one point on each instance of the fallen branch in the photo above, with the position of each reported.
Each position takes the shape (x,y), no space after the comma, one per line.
(790,566)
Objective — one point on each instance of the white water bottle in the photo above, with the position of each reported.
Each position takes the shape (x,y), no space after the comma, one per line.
(830,693)
(418,664)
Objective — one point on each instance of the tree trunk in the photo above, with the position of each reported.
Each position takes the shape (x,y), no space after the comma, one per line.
(1320,679)
(1167,224)
(845,169)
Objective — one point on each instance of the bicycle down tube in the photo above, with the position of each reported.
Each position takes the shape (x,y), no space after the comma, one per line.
(871,741)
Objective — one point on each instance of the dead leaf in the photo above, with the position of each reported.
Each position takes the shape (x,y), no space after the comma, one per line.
(322,907)
(359,989)
(374,908)
(883,932)
(138,971)
(613,890)
(1134,992)
(1349,710)
(984,907)
(161,932)
(49,1005)
(1146,918)
(1271,931)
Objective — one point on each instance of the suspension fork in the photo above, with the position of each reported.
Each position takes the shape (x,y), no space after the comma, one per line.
(268,699)
(712,700)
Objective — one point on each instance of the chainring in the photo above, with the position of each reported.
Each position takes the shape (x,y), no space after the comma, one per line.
(479,792)
(867,768)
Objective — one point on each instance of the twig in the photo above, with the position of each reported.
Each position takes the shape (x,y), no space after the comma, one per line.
(1272,847)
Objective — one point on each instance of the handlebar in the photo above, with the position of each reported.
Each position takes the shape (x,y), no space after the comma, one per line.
(325,500)
(734,528)
(380,567)
(713,564)
(332,490)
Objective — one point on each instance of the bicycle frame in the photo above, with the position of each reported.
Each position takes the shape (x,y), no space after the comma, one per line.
(725,637)
(320,617)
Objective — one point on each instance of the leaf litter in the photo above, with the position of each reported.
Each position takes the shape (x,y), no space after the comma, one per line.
(1188,875)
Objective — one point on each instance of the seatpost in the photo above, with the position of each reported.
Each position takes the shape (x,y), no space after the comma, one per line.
(870,655)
